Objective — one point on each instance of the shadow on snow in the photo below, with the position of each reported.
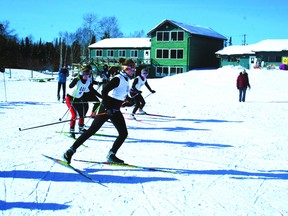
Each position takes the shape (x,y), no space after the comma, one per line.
(13,104)
(74,177)
(184,143)
(32,206)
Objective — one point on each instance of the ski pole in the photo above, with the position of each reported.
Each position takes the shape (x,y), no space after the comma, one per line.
(60,119)
(44,125)
(148,95)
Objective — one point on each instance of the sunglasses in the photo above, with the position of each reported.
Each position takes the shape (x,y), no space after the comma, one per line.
(129,68)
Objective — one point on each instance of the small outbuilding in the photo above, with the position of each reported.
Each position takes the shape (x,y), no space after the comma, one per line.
(270,53)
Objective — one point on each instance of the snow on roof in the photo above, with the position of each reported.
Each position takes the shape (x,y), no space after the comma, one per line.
(271,45)
(122,43)
(193,29)
(236,50)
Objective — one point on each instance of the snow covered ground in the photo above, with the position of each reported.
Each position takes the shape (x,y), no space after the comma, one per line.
(232,157)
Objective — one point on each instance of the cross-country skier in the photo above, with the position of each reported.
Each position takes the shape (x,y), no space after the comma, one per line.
(135,92)
(91,95)
(74,99)
(113,96)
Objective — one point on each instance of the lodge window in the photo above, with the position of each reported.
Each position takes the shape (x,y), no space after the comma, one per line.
(162,71)
(134,53)
(177,36)
(122,53)
(172,54)
(162,53)
(278,58)
(168,71)
(162,36)
(272,58)
(99,53)
(233,59)
(170,36)
(110,53)
(176,53)
(176,70)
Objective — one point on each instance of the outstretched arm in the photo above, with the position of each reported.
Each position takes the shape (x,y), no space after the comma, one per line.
(149,88)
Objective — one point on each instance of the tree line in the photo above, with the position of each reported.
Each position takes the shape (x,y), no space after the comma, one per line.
(65,49)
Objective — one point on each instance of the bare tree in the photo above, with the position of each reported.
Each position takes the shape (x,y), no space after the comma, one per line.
(85,34)
(138,34)
(90,25)
(5,29)
(108,27)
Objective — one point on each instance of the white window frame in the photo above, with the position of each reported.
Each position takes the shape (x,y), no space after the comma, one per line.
(110,53)
(134,53)
(122,53)
(99,51)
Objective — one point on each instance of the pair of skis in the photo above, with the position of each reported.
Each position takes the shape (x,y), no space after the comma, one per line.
(128,166)
(65,164)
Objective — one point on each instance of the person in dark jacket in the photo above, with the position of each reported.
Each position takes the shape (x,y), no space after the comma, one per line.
(136,93)
(113,95)
(62,77)
(242,83)
(105,74)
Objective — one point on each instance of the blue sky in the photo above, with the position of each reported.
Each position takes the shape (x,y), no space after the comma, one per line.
(258,19)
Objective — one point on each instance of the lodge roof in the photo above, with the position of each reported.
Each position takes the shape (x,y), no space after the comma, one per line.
(269,45)
(122,43)
(193,29)
(236,50)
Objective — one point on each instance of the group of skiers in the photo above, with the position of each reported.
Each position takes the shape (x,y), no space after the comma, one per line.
(116,90)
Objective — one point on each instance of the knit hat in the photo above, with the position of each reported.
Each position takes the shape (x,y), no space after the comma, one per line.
(144,72)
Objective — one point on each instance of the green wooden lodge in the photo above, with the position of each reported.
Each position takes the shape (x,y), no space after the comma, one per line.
(171,48)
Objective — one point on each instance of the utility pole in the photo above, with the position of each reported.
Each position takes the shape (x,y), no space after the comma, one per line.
(244,40)
(61,47)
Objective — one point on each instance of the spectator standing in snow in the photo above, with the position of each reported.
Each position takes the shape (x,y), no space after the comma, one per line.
(62,77)
(135,92)
(113,95)
(242,83)
(105,74)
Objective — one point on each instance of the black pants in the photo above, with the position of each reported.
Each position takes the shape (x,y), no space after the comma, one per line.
(63,85)
(139,102)
(118,121)
(89,96)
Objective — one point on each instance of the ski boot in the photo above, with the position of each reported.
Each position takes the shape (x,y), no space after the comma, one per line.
(111,157)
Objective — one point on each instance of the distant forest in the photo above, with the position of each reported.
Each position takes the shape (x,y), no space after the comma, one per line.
(65,49)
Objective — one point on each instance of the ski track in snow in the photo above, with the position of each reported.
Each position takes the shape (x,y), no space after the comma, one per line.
(232,156)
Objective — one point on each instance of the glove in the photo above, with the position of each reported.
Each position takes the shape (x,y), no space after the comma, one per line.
(153,91)
(109,112)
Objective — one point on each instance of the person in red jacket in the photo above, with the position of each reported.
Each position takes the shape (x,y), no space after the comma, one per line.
(242,84)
